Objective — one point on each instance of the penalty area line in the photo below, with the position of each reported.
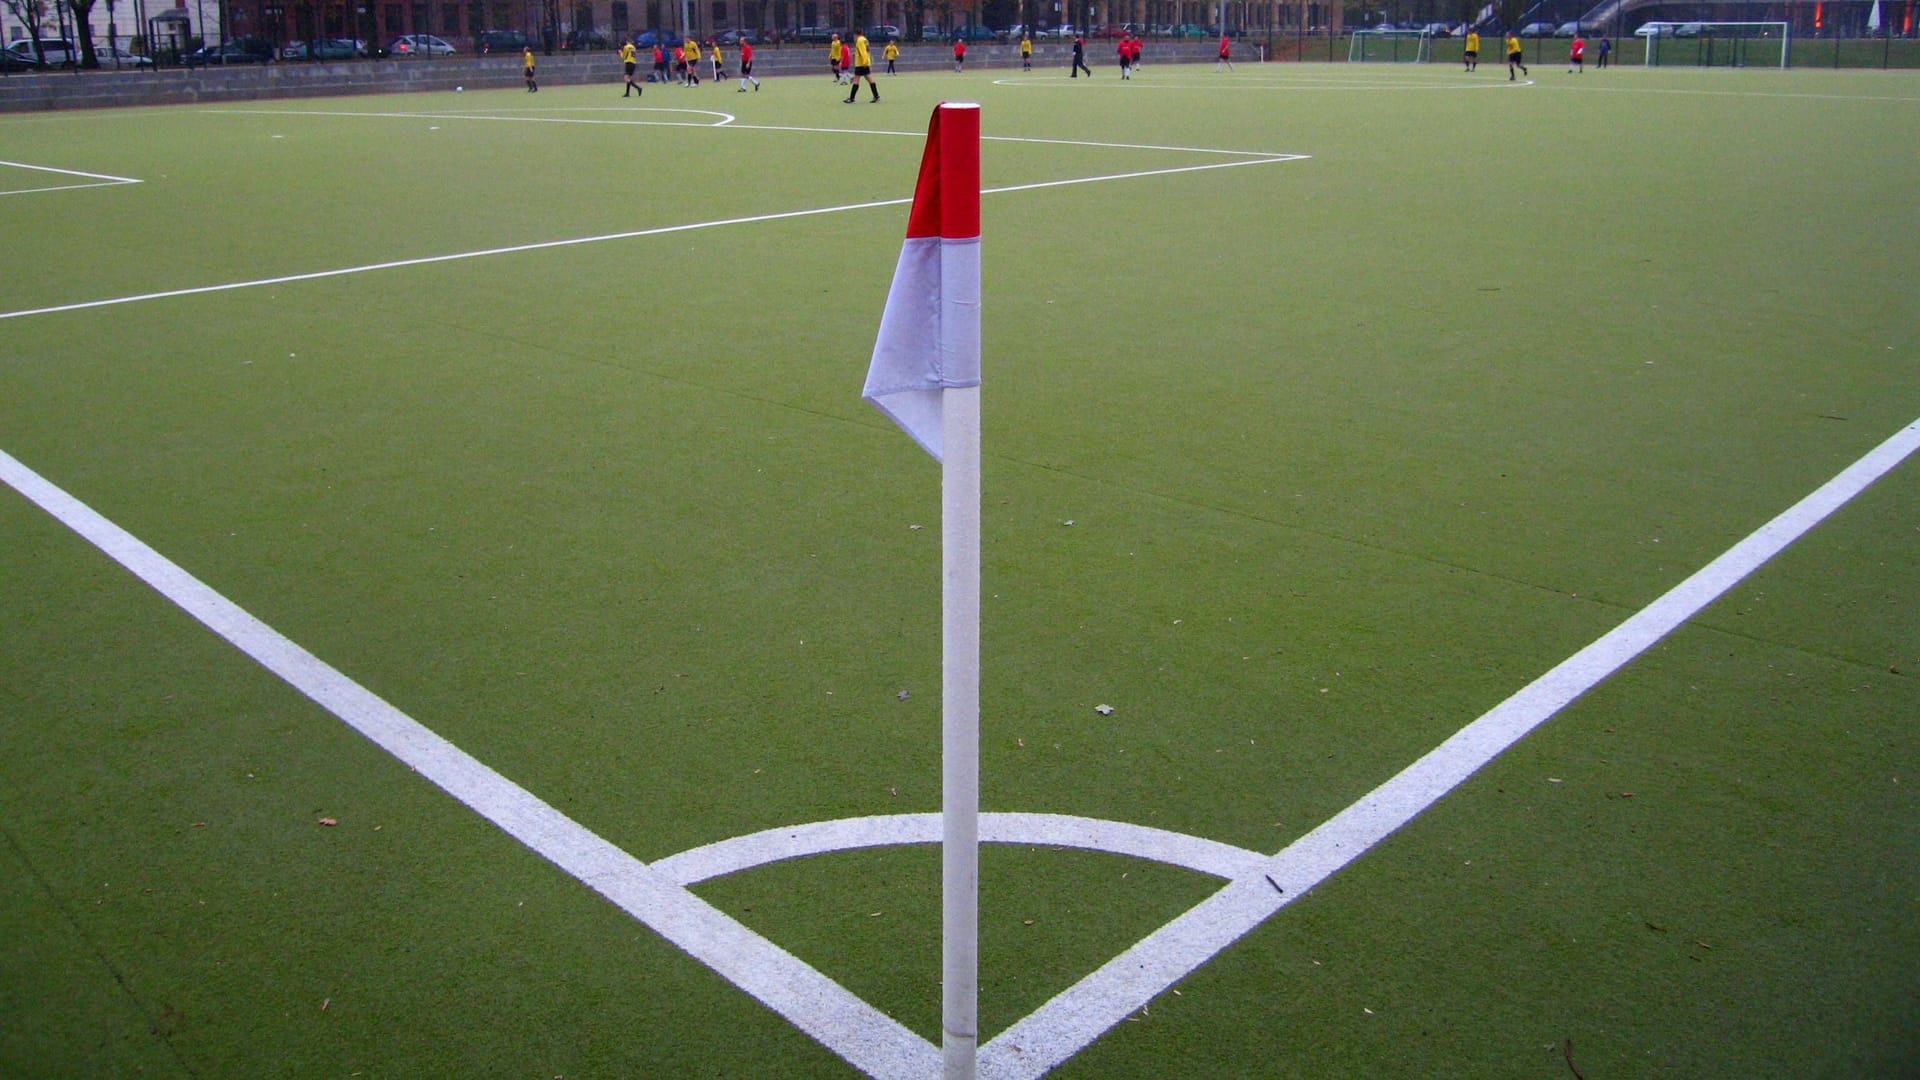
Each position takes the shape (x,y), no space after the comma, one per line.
(544,245)
(99,179)
(1079,1015)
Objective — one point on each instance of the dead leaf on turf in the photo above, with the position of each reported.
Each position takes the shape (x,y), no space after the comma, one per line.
(329,822)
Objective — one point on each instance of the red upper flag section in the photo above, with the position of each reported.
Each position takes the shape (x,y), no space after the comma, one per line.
(946,200)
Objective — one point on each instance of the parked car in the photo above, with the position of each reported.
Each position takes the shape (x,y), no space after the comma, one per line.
(54,52)
(883,33)
(738,37)
(111,57)
(1575,29)
(237,51)
(1655,29)
(813,35)
(977,33)
(323,49)
(13,61)
(586,41)
(419,45)
(1438,29)
(1187,30)
(1537,30)
(504,41)
(1689,29)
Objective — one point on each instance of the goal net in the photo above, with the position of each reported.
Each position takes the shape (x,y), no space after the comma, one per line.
(1390,46)
(1718,44)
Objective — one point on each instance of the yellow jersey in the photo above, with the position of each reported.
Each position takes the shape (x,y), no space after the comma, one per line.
(1513,44)
(1473,41)
(861,57)
(690,52)
(526,59)
(892,51)
(627,55)
(1026,46)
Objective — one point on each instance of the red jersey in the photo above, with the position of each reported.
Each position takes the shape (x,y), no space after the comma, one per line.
(959,49)
(746,52)
(1579,48)
(659,55)
(1224,50)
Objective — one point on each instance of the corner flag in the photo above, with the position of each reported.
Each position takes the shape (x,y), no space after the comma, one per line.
(930,332)
(925,375)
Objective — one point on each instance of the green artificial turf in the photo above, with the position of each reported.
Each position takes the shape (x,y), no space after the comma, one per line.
(1298,466)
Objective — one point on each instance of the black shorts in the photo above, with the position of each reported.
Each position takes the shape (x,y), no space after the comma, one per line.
(631,66)
(746,68)
(863,70)
(1473,54)
(1513,58)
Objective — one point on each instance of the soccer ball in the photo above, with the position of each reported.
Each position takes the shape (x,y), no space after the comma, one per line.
(459,89)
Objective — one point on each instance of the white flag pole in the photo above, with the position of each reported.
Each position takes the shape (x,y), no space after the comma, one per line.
(925,375)
(960,732)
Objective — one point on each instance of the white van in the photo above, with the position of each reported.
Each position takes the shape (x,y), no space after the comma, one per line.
(58,53)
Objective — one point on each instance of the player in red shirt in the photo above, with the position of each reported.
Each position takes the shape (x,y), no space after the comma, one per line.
(1578,54)
(959,54)
(1226,55)
(1133,52)
(746,66)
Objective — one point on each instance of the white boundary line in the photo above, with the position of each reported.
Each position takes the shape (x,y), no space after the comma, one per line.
(868,1039)
(104,180)
(1062,1027)
(819,1006)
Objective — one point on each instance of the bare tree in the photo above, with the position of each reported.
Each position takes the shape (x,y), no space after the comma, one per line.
(33,13)
(83,31)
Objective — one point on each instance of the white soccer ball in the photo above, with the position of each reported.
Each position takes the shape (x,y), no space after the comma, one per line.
(459,89)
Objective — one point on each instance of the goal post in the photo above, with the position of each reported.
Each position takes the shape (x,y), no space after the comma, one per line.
(1390,46)
(1720,44)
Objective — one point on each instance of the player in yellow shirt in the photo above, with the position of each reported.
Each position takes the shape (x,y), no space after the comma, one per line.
(630,60)
(1513,56)
(690,54)
(1026,53)
(862,68)
(1472,53)
(891,53)
(526,61)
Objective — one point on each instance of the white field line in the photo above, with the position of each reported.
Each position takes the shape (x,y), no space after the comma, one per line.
(728,121)
(739,853)
(1079,1015)
(662,230)
(100,179)
(822,1008)
(1199,82)
(868,1039)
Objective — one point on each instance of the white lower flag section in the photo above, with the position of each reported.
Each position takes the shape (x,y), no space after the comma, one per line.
(929,337)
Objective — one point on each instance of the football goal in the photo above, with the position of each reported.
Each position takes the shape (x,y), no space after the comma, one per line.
(1390,46)
(1719,44)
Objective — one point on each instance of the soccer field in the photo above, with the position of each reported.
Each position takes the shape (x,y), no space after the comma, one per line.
(461,620)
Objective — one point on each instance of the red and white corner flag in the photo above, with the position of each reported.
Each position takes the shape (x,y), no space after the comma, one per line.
(930,332)
(926,376)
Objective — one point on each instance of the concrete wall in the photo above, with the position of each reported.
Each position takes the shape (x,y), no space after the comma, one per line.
(262,82)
